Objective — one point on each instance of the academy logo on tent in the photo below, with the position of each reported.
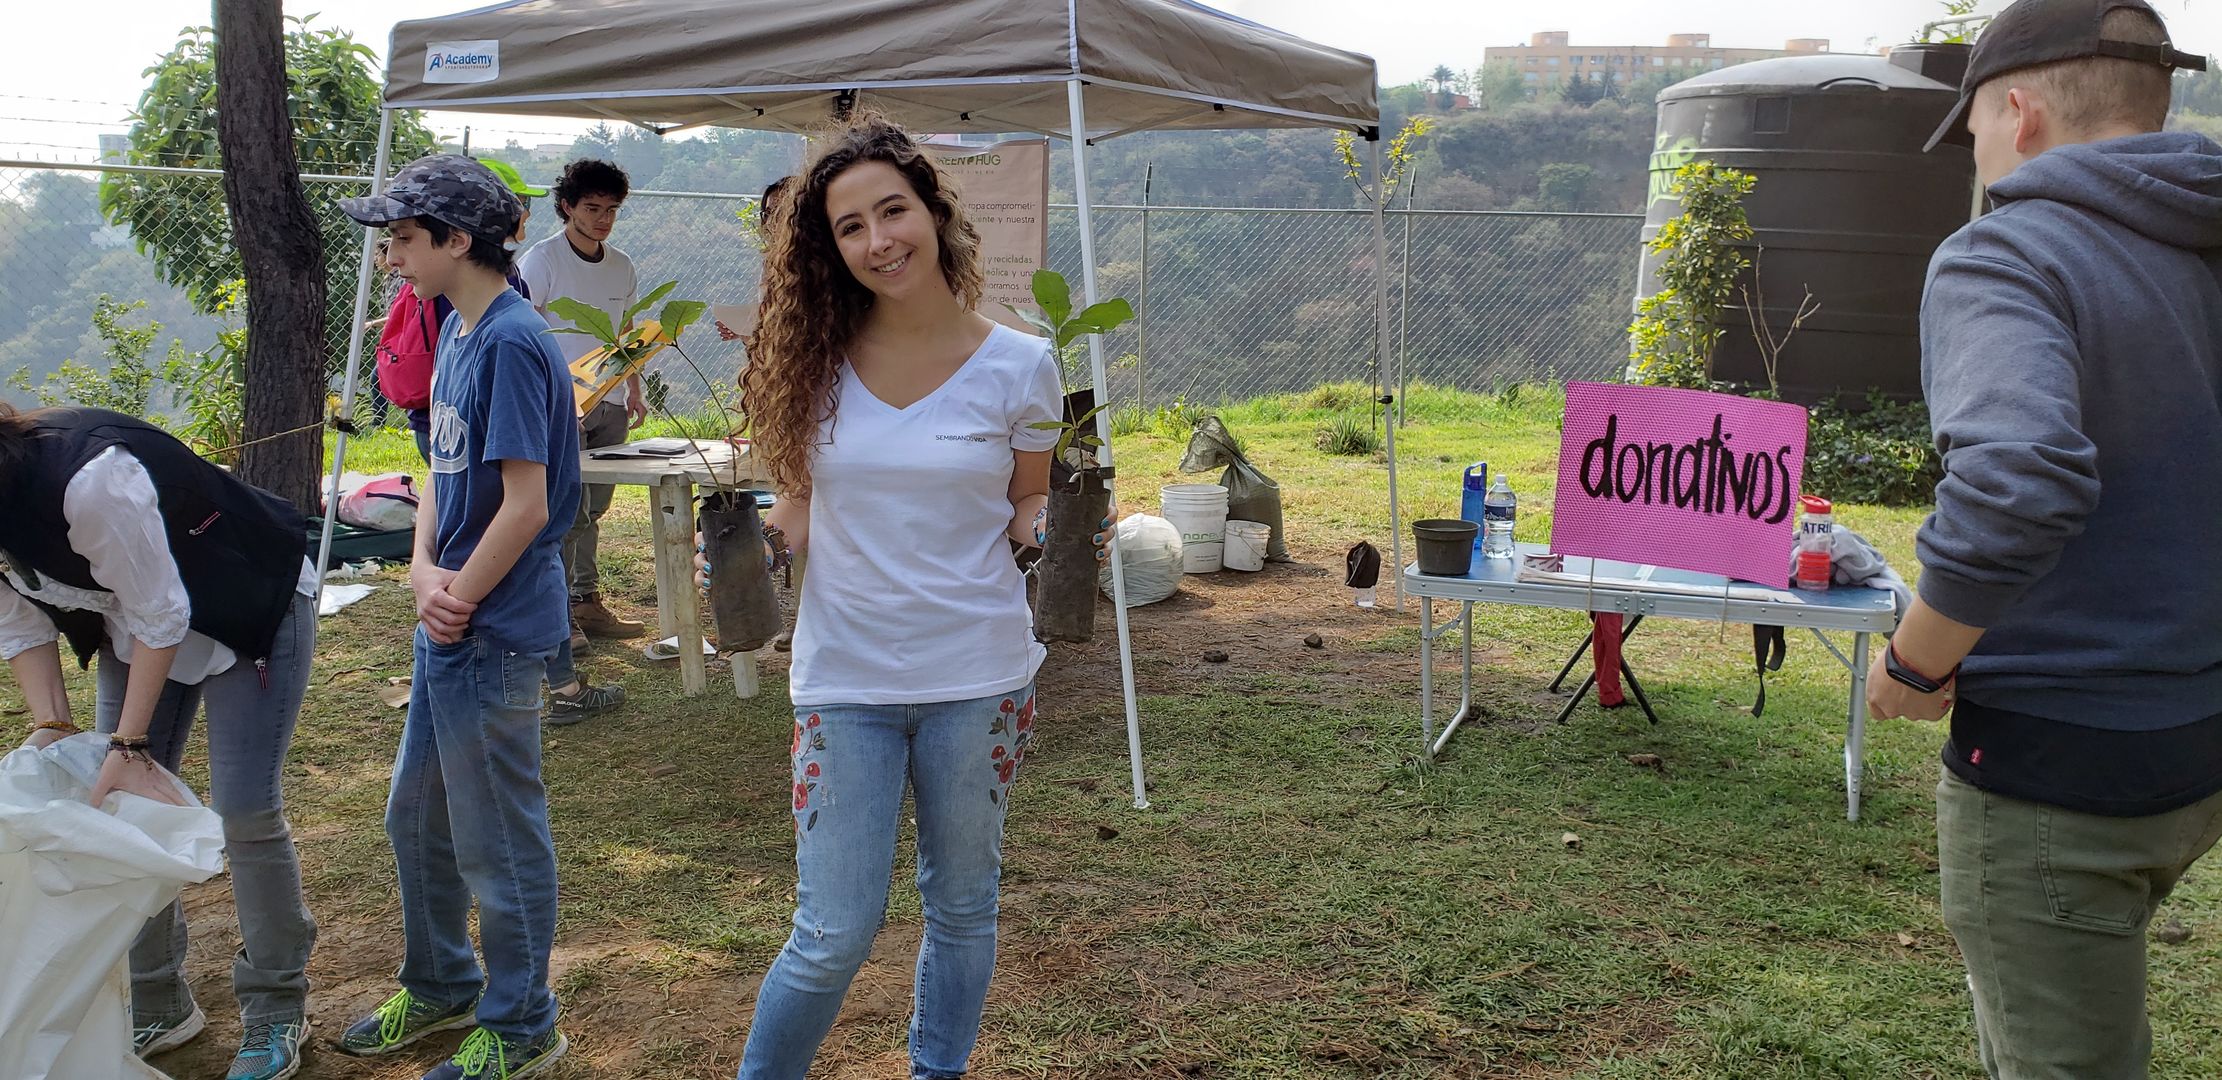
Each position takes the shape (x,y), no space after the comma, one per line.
(462,61)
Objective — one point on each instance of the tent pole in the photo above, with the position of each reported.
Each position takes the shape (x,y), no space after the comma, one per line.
(355,333)
(1381,337)
(1103,430)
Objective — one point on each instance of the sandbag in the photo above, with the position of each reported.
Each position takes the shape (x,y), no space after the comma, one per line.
(1148,549)
(77,882)
(1251,495)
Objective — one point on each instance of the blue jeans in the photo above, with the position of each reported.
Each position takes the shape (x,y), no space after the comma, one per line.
(468,817)
(562,669)
(251,715)
(850,766)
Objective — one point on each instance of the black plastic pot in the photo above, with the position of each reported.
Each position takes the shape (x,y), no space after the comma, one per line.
(741,596)
(1445,546)
(1065,591)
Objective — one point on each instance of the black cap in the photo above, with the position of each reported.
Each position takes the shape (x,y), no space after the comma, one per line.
(2033,32)
(449,188)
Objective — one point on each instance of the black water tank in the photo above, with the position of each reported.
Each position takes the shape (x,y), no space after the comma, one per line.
(1845,205)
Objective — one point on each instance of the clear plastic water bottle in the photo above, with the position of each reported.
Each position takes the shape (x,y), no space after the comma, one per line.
(1499,510)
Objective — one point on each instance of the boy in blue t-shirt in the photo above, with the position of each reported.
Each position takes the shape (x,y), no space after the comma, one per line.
(468,814)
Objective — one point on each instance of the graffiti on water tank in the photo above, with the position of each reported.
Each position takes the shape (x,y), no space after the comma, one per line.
(1668,153)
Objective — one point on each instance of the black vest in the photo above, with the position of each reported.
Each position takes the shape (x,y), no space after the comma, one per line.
(237,548)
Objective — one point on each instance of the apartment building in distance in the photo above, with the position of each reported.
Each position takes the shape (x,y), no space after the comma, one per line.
(1549,60)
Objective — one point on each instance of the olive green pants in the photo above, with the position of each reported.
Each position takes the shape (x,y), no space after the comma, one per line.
(2050,907)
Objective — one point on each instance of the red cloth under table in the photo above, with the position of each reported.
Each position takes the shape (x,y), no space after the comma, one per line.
(1605,652)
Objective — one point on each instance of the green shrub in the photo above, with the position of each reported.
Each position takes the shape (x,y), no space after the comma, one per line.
(1349,436)
(1883,456)
(1335,397)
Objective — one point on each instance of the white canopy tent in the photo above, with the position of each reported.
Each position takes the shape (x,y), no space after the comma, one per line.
(1081,70)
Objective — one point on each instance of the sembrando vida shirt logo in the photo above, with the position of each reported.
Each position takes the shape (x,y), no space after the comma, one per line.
(462,61)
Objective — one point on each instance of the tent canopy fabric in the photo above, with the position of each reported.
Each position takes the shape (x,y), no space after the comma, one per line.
(936,65)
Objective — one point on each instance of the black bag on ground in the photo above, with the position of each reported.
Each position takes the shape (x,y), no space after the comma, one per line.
(1251,495)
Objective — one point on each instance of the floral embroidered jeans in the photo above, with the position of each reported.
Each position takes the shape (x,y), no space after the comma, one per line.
(851,766)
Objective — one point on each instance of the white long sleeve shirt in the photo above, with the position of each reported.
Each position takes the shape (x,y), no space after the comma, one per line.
(114,519)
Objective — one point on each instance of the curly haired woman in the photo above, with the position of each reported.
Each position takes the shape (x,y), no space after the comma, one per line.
(898,424)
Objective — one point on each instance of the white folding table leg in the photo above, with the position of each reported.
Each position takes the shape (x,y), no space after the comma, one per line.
(1465,624)
(1427,673)
(1855,734)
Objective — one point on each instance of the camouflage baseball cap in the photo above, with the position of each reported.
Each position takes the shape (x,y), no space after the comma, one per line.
(449,188)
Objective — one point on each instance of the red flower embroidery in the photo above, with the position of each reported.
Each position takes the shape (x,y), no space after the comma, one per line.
(797,747)
(802,796)
(996,753)
(1005,771)
(1008,705)
(813,719)
(810,770)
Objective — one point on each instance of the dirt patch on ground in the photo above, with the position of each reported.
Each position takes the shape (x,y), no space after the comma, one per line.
(635,1007)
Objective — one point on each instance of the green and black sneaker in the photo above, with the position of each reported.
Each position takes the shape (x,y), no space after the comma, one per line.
(487,1056)
(401,1020)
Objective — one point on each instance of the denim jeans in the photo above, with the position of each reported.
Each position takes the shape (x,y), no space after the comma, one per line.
(468,817)
(851,763)
(250,729)
(2050,908)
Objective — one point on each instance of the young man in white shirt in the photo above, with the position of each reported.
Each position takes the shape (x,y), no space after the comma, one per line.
(580,264)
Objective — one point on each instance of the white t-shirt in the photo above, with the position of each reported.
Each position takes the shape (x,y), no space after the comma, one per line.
(552,269)
(912,595)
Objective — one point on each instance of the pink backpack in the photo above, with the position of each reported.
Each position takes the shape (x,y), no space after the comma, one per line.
(383,502)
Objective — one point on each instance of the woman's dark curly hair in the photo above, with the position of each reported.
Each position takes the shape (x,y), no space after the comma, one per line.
(813,306)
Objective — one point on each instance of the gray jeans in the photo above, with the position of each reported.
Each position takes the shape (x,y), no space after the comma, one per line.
(251,716)
(605,426)
(2049,907)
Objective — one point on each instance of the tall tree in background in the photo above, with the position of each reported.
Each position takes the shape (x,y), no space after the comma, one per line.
(1499,86)
(331,95)
(1578,90)
(1445,81)
(280,249)
(328,95)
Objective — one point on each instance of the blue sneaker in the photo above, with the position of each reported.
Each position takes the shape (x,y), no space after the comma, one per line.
(400,1020)
(269,1052)
(487,1056)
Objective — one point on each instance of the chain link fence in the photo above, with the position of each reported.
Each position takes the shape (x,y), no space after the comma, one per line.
(1234,302)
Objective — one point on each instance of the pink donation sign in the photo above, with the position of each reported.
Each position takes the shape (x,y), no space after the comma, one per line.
(1679,478)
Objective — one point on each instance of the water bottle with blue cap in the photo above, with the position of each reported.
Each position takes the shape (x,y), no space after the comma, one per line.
(1472,501)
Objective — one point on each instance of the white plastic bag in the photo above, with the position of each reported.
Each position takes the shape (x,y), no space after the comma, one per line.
(1149,551)
(76,884)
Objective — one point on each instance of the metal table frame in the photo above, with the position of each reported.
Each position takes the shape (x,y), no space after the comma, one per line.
(1858,611)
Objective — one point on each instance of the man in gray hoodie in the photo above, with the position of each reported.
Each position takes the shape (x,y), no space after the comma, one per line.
(2071,588)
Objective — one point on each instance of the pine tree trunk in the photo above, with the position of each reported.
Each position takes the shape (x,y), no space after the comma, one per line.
(282,249)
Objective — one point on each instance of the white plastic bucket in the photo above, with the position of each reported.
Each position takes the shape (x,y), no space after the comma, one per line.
(1246,541)
(1199,511)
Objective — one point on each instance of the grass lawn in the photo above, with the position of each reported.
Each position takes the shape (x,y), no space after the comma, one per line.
(1303,898)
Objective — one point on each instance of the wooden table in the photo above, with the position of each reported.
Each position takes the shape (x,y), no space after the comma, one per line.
(671,482)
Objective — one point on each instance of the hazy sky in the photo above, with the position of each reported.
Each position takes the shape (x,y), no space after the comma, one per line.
(84,79)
